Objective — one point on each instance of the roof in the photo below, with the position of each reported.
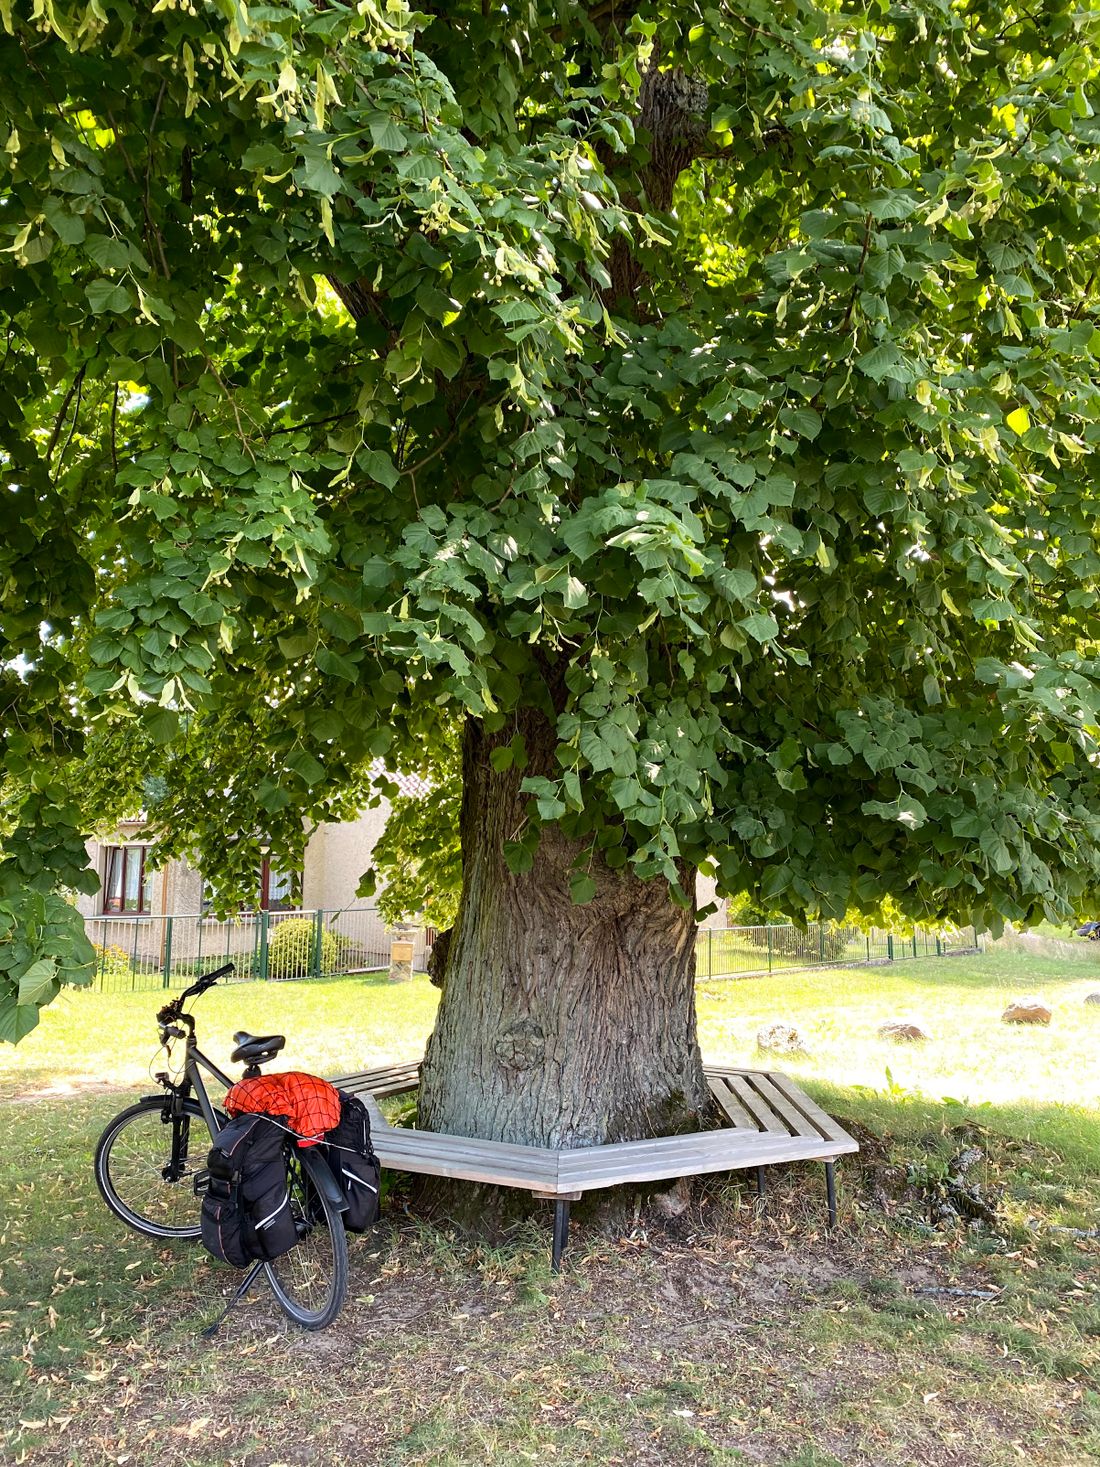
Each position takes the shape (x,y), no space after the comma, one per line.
(412,786)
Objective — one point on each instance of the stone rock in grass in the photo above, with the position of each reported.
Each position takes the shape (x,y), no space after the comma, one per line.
(1027,1011)
(1093,998)
(780,1039)
(903,1031)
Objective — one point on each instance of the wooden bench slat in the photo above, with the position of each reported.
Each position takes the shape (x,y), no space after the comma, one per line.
(821,1118)
(398,1152)
(379,1125)
(723,1093)
(378,1087)
(762,1113)
(483,1169)
(368,1081)
(798,1124)
(381,1072)
(771,1121)
(443,1166)
(765,1150)
(639,1154)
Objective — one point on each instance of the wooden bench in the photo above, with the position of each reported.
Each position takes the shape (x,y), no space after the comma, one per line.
(770,1120)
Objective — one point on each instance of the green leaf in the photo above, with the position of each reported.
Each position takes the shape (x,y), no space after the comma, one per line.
(106,295)
(318,176)
(517,857)
(1019,420)
(265,157)
(574,594)
(39,983)
(108,253)
(776,881)
(68,227)
(582,888)
(379,466)
(16,1020)
(163,725)
(302,762)
(736,585)
(335,664)
(761,625)
(880,362)
(388,137)
(906,810)
(802,420)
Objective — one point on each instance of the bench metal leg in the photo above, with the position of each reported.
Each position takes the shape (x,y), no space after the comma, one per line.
(830,1191)
(561,1233)
(761,1182)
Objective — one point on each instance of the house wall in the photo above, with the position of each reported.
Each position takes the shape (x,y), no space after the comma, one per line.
(704,895)
(337,856)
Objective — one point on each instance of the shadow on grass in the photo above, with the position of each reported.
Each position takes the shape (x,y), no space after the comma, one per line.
(1043,1136)
(1008,972)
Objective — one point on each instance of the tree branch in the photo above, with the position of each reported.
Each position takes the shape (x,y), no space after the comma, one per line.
(56,434)
(859,271)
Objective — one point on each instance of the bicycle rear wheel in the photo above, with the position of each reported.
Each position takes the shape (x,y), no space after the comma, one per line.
(311,1281)
(145,1165)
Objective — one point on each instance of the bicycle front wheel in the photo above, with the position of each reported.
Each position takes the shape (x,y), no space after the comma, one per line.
(311,1281)
(145,1165)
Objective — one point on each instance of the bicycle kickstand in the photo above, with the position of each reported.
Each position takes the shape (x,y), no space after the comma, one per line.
(246,1283)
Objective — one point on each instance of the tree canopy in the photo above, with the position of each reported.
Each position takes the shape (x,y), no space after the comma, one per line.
(727,370)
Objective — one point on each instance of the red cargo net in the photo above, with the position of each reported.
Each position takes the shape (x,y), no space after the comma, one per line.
(311,1105)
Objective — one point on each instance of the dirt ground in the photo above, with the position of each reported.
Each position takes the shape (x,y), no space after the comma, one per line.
(729,1334)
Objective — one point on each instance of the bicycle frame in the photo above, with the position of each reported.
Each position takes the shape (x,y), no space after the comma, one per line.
(170,1018)
(194,1063)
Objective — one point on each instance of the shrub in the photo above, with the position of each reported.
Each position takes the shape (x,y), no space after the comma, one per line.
(112,963)
(291,948)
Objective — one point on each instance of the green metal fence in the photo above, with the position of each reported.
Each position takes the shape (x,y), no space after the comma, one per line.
(136,954)
(753,952)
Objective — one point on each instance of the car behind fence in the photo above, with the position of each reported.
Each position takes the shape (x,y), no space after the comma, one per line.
(149,952)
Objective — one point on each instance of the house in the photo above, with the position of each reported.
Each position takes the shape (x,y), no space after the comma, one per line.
(158,920)
(335,858)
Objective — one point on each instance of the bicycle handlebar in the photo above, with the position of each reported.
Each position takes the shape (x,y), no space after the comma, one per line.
(174,1010)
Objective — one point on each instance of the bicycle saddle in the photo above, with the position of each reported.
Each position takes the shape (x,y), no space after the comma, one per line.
(256,1049)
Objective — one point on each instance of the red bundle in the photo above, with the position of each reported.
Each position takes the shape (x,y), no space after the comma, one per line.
(311,1105)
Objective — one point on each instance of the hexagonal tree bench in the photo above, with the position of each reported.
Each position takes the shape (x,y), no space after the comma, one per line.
(769,1119)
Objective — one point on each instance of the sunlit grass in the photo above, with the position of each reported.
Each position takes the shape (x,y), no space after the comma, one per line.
(332,1026)
(971,1056)
(341,1024)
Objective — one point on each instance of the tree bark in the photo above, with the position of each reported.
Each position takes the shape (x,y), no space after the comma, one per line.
(559,1025)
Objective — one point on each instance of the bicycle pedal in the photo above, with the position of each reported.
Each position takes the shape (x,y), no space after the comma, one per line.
(201,1182)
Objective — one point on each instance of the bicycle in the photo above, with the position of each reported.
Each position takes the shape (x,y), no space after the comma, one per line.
(147,1175)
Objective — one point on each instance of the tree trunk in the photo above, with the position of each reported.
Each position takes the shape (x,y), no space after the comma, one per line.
(559,1025)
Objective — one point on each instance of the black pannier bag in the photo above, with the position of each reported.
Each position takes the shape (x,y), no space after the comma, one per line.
(352,1161)
(246,1212)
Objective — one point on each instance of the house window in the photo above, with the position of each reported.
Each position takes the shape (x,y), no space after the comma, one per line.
(278,889)
(127,886)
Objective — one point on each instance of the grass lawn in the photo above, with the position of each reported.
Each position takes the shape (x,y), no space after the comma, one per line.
(724,1335)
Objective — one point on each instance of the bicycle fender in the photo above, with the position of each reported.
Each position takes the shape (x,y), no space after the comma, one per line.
(323,1179)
